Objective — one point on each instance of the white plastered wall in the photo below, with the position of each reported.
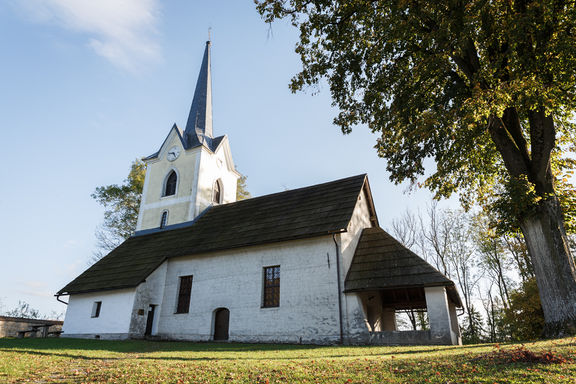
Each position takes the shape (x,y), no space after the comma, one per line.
(149,292)
(356,328)
(114,319)
(308,310)
(213,167)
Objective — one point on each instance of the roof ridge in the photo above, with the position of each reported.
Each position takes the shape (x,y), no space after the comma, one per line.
(294,190)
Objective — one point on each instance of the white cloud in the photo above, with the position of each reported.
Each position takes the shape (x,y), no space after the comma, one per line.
(122,31)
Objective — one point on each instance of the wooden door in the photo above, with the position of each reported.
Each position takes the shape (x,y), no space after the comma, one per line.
(150,320)
(221,323)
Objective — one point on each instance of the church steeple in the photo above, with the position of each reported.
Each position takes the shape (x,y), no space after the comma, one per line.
(192,170)
(199,126)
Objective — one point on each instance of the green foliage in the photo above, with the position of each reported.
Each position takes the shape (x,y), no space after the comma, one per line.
(472,329)
(135,361)
(241,189)
(121,203)
(524,317)
(438,79)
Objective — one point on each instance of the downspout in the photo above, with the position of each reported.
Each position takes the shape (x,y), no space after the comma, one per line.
(340,316)
(58,298)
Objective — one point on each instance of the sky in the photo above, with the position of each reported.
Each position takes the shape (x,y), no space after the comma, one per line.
(86,87)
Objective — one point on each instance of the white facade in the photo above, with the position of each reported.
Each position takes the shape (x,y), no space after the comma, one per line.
(113,321)
(309,294)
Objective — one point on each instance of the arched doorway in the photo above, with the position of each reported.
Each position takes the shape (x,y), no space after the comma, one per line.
(221,322)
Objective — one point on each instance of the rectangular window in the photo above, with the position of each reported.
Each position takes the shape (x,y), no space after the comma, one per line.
(96,308)
(184,292)
(271,287)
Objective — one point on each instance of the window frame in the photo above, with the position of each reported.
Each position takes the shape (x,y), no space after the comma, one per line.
(165,185)
(270,288)
(96,309)
(164,219)
(218,186)
(184,307)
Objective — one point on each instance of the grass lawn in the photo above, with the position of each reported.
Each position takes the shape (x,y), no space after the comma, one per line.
(99,361)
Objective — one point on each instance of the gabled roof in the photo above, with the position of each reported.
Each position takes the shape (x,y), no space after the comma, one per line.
(382,262)
(296,214)
(211,144)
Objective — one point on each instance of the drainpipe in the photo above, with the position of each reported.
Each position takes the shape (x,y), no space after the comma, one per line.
(339,290)
(62,301)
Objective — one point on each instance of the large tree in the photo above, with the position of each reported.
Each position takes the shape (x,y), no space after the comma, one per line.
(484,88)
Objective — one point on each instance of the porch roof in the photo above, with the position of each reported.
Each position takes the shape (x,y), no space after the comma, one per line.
(382,263)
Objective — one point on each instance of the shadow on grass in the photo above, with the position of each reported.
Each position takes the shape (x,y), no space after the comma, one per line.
(66,348)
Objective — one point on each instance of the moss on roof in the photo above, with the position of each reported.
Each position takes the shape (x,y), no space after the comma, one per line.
(296,214)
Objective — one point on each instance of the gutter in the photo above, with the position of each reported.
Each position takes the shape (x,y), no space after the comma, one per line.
(58,298)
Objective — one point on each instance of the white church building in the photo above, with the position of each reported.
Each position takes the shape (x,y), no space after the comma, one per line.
(308,265)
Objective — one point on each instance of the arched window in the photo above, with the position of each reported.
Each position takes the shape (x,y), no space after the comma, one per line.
(164,219)
(217,193)
(170,187)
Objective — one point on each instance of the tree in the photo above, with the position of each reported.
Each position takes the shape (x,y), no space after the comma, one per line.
(484,88)
(524,317)
(241,189)
(121,203)
(24,310)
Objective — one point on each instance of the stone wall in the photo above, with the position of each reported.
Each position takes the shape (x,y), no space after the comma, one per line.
(10,326)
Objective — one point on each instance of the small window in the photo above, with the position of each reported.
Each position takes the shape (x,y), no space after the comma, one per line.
(96,308)
(217,194)
(164,219)
(271,287)
(170,187)
(184,292)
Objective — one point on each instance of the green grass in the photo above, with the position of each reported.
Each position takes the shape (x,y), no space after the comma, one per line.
(99,361)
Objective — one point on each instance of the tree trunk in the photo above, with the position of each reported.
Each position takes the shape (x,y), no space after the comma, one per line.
(553,265)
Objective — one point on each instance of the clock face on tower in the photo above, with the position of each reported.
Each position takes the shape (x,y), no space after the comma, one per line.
(173,153)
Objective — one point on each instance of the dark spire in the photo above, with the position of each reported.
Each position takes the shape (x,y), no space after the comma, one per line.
(199,126)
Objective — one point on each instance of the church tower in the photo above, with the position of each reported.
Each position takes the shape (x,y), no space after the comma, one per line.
(192,170)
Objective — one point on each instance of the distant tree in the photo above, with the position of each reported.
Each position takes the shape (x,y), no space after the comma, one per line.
(241,189)
(525,317)
(472,329)
(485,89)
(121,203)
(23,309)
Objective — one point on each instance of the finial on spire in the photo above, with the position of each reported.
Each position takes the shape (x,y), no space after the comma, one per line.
(209,38)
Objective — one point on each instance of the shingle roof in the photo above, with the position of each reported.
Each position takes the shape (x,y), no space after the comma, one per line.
(296,214)
(381,262)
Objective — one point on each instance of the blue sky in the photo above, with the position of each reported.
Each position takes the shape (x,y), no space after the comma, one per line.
(88,86)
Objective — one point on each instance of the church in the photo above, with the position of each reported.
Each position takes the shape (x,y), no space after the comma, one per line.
(308,265)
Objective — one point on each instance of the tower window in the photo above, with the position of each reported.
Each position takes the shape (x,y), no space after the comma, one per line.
(217,194)
(164,219)
(170,187)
